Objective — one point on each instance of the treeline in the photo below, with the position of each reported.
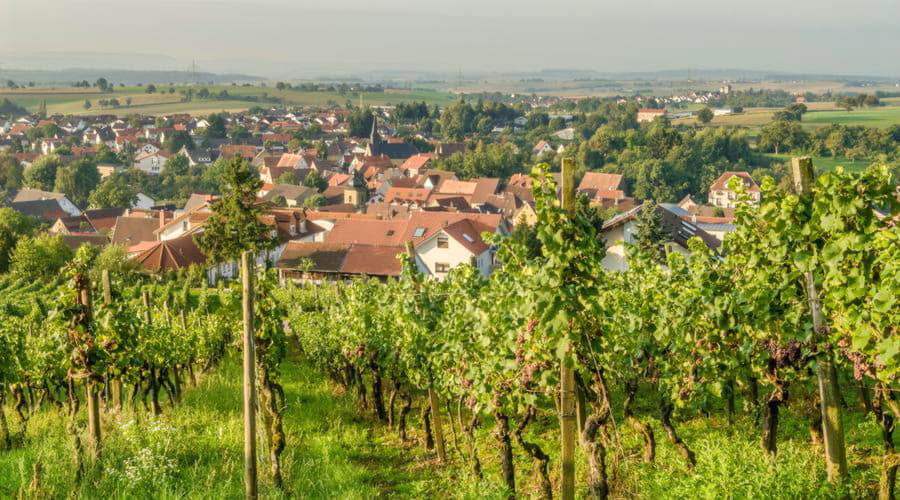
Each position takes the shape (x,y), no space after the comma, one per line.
(853,142)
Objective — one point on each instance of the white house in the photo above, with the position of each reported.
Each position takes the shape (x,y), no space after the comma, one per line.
(623,228)
(721,195)
(36,194)
(152,163)
(144,202)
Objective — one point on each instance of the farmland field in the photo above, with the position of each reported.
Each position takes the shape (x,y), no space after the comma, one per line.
(71,100)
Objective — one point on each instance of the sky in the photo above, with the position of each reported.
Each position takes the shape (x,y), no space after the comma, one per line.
(299,38)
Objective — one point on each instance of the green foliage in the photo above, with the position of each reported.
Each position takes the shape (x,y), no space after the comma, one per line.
(705,115)
(39,257)
(651,238)
(486,160)
(77,180)
(14,227)
(314,201)
(235,224)
(42,173)
(113,191)
(314,180)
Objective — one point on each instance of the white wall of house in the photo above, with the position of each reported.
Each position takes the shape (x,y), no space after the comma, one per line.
(144,202)
(437,261)
(615,239)
(153,165)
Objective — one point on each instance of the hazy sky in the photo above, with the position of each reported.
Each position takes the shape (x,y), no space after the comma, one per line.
(284,38)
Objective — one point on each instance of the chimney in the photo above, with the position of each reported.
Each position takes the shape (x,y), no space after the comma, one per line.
(162,218)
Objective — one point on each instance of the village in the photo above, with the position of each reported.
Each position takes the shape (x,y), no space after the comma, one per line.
(368,196)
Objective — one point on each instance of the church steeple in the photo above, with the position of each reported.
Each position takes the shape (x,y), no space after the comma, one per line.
(374,135)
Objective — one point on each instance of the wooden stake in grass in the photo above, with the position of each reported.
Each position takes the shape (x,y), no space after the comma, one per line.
(567,374)
(93,398)
(250,485)
(113,386)
(432,397)
(829,393)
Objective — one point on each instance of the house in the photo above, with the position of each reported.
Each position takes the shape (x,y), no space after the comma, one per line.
(441,240)
(107,169)
(649,114)
(721,195)
(294,196)
(75,241)
(64,204)
(228,151)
(604,189)
(319,261)
(622,229)
(132,230)
(143,202)
(197,156)
(151,163)
(170,255)
(541,148)
(415,164)
(566,134)
(476,192)
(445,149)
(393,150)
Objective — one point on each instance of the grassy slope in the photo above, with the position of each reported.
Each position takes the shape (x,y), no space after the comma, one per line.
(330,452)
(71,100)
(333,453)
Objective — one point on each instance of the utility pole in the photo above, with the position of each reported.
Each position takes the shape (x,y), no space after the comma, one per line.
(566,372)
(247,272)
(829,392)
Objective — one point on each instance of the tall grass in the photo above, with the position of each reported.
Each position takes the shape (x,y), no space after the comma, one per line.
(194,450)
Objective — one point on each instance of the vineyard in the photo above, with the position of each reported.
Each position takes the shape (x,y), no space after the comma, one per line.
(552,377)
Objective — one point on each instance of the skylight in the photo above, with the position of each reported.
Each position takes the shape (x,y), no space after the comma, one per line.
(419,232)
(468,238)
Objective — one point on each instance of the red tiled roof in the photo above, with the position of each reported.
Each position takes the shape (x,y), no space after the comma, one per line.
(416,162)
(171,255)
(721,184)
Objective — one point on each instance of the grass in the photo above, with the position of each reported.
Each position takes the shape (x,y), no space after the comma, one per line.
(881,117)
(819,114)
(195,451)
(70,100)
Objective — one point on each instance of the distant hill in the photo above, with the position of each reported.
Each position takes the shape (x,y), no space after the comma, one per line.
(117,76)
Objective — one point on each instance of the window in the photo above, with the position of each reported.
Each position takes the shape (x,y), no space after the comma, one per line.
(441,267)
(443,241)
(293,229)
(418,232)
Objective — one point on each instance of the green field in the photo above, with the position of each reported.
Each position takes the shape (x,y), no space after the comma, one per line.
(68,101)
(881,117)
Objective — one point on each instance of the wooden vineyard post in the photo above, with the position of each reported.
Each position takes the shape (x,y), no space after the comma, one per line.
(93,398)
(829,393)
(567,373)
(436,423)
(145,298)
(247,271)
(438,426)
(114,387)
